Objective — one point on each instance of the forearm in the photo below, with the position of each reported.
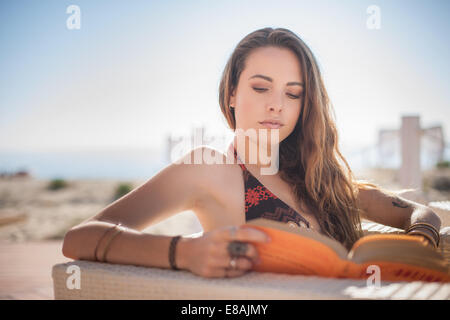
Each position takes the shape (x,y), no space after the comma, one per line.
(128,247)
(423,214)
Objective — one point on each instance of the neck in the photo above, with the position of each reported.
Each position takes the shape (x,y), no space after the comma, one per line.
(257,156)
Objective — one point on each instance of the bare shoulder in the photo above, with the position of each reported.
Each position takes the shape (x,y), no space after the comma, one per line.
(216,173)
(178,187)
(221,200)
(205,170)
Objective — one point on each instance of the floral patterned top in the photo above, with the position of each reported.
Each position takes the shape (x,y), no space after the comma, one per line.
(260,202)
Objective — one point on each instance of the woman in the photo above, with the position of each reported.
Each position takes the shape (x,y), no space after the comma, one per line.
(271,82)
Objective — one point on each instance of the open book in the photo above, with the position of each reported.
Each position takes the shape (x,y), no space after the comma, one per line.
(295,250)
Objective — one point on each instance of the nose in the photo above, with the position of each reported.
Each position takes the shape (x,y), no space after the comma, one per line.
(276,108)
(275,105)
(275,102)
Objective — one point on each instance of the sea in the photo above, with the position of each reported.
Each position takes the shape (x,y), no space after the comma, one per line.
(143,164)
(112,164)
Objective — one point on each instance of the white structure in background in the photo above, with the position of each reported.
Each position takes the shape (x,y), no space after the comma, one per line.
(412,138)
(409,148)
(409,174)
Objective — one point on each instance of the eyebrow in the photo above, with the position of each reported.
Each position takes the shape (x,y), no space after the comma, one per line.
(271,80)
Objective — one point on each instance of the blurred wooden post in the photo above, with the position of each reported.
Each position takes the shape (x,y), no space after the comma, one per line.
(410,175)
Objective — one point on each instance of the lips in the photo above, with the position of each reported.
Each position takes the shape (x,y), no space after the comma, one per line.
(271,124)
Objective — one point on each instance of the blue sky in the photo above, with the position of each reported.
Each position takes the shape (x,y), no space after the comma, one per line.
(139,70)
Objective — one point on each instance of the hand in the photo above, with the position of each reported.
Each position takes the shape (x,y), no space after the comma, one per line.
(208,255)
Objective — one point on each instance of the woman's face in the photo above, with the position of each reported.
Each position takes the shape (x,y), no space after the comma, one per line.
(270,87)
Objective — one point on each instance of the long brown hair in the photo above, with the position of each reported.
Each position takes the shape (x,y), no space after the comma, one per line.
(310,159)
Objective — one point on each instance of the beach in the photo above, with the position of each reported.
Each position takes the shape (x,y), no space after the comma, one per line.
(34,219)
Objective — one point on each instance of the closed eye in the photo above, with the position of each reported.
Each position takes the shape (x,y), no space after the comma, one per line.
(294,96)
(261,90)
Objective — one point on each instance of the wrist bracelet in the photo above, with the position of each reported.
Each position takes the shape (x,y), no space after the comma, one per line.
(426,226)
(101,239)
(433,231)
(108,245)
(173,244)
(425,235)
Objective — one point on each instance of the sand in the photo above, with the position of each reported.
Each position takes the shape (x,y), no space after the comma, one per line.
(29,211)
(34,219)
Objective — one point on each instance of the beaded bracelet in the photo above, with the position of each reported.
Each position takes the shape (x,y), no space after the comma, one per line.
(173,244)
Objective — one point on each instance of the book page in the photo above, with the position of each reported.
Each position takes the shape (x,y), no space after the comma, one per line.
(333,244)
(397,248)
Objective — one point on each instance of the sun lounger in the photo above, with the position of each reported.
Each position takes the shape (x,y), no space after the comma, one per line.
(113,281)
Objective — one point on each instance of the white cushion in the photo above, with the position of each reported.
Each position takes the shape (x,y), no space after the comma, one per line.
(113,281)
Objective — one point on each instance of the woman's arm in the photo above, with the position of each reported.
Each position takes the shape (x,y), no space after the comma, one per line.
(206,256)
(392,210)
(176,188)
(129,247)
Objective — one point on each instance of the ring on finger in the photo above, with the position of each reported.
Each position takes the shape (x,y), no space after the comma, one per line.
(233,263)
(233,231)
(237,248)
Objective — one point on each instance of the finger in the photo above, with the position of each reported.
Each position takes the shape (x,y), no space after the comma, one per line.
(232,273)
(242,263)
(251,252)
(230,232)
(245,234)
(223,273)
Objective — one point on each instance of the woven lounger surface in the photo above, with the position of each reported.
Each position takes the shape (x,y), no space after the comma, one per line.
(113,281)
